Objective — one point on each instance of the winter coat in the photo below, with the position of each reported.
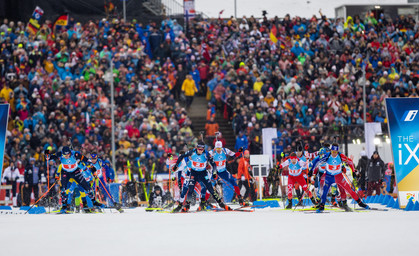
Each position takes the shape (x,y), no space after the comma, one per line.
(375,170)
(243,169)
(189,87)
(10,174)
(29,171)
(362,167)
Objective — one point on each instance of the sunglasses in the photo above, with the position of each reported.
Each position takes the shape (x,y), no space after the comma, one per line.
(199,148)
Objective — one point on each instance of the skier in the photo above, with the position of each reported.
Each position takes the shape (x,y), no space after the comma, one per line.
(182,175)
(199,159)
(220,157)
(305,157)
(318,180)
(95,161)
(295,170)
(334,164)
(70,169)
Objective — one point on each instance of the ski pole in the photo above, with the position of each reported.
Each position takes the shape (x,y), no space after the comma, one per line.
(106,190)
(41,197)
(49,210)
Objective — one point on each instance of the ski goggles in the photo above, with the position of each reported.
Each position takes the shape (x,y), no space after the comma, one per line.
(293,158)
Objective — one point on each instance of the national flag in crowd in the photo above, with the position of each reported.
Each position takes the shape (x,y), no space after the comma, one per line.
(287,105)
(205,52)
(274,32)
(109,7)
(61,22)
(33,24)
(282,45)
(219,14)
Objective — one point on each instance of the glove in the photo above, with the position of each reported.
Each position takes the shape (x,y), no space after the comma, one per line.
(313,178)
(57,177)
(174,168)
(214,175)
(306,147)
(173,178)
(47,152)
(241,149)
(282,154)
(92,169)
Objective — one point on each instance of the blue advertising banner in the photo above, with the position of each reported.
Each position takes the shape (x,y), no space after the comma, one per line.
(403,123)
(4,117)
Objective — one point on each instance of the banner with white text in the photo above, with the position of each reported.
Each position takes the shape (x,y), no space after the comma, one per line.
(403,123)
(4,117)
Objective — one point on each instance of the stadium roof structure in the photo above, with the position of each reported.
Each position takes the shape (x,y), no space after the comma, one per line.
(389,10)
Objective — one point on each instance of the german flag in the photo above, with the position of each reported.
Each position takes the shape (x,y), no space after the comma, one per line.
(274,32)
(287,105)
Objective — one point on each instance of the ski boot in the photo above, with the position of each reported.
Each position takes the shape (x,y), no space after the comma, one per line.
(224,206)
(321,208)
(88,210)
(362,204)
(289,206)
(313,200)
(178,207)
(77,209)
(242,202)
(300,200)
(202,206)
(210,205)
(98,204)
(333,202)
(63,210)
(186,207)
(344,205)
(118,207)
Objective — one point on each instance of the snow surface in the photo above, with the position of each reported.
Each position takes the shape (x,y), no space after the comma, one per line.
(270,231)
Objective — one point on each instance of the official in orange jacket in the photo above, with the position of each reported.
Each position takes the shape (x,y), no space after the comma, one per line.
(243,175)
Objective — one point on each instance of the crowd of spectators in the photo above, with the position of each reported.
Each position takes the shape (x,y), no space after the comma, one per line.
(58,86)
(309,84)
(302,76)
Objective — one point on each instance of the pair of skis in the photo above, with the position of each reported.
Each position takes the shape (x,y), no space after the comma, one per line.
(356,210)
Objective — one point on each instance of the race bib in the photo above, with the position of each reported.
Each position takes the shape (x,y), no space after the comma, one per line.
(198,165)
(69,166)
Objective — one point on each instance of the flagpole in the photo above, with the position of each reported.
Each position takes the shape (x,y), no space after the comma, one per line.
(125,11)
(235,9)
(113,116)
